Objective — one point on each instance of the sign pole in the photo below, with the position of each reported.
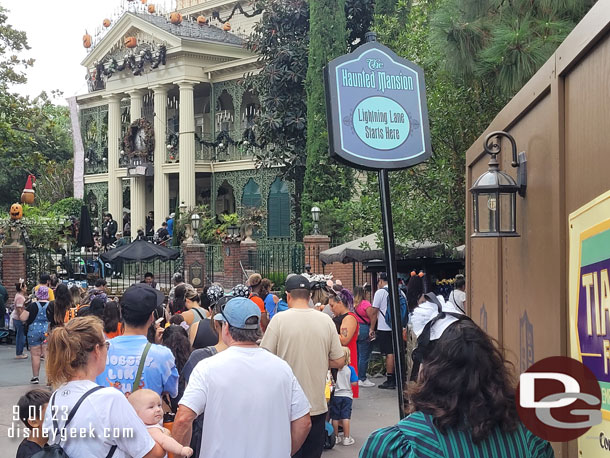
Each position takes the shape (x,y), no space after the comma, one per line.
(378,120)
(392,273)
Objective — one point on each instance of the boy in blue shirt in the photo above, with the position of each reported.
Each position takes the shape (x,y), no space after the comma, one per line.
(159,374)
(341,402)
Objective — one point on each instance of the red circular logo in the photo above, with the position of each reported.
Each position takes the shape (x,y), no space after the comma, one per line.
(559,399)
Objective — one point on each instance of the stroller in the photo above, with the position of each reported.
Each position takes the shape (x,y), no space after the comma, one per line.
(329,432)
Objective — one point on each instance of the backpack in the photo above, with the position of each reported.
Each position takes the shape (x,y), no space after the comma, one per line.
(56,450)
(404,314)
(70,313)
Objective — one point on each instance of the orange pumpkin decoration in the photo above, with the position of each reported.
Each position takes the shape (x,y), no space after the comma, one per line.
(106,23)
(151,8)
(131,42)
(87,40)
(201,20)
(144,2)
(16,212)
(226,27)
(175,18)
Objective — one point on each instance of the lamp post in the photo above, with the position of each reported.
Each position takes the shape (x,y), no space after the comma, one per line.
(195,220)
(233,231)
(495,192)
(315,216)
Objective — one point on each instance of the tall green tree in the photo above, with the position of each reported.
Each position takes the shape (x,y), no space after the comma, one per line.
(501,42)
(324,178)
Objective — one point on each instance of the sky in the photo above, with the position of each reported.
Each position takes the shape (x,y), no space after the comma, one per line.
(55,31)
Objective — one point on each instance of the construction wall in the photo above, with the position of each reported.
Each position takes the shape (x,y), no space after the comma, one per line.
(518,287)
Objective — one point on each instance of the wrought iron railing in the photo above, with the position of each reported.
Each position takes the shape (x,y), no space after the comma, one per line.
(275,259)
(78,266)
(214,262)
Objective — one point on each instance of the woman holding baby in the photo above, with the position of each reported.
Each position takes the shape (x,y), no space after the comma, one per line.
(101,417)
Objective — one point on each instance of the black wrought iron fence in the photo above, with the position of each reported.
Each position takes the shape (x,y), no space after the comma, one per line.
(276,259)
(214,262)
(78,266)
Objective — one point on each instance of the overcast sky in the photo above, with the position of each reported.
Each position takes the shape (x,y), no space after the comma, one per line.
(55,31)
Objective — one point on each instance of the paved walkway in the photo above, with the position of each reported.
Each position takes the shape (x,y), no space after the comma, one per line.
(375,409)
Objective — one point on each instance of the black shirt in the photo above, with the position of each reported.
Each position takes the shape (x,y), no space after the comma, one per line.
(27,448)
(205,336)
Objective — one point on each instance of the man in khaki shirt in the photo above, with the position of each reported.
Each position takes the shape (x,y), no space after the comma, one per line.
(308,341)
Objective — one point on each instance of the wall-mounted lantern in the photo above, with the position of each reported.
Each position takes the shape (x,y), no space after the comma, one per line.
(495,192)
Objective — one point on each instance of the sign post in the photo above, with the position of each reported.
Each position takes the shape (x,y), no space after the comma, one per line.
(378,120)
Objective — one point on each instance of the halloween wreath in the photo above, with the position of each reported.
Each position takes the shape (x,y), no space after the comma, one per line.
(139,140)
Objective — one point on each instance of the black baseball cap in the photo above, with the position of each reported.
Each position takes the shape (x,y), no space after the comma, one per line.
(141,299)
(297,282)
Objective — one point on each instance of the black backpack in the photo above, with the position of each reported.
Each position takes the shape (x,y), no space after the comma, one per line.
(56,450)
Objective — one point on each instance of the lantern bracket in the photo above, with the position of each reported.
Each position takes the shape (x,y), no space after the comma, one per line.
(493,147)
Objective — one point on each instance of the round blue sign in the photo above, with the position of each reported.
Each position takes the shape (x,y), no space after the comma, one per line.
(381,123)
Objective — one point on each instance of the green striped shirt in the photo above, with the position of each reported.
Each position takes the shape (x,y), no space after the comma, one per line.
(417,437)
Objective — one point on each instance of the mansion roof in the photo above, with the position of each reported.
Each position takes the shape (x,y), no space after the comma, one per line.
(191,30)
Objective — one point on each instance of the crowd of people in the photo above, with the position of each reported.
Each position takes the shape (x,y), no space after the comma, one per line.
(244,373)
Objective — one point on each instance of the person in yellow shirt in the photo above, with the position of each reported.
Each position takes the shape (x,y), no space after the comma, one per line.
(45,280)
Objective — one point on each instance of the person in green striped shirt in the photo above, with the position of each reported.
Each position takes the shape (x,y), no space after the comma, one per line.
(463,403)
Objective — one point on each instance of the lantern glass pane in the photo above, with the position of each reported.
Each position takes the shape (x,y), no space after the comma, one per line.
(487,204)
(507,212)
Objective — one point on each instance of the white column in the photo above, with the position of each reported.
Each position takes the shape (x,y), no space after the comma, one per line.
(115,189)
(138,184)
(161,179)
(187,144)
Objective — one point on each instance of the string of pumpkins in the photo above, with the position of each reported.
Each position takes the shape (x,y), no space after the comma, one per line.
(175,18)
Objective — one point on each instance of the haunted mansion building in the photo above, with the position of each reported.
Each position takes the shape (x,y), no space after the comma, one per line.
(166,120)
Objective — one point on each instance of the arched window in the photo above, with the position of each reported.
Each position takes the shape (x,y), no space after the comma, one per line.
(278,208)
(251,196)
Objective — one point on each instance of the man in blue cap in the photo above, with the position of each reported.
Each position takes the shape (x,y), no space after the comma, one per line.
(253,403)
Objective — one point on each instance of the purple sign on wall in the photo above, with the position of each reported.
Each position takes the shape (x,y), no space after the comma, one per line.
(376,109)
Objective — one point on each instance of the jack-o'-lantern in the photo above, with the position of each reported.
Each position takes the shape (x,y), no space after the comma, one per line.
(175,18)
(201,20)
(144,2)
(226,27)
(106,23)
(131,42)
(16,212)
(151,8)
(87,40)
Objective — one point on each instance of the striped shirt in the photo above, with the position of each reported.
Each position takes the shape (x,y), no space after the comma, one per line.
(417,437)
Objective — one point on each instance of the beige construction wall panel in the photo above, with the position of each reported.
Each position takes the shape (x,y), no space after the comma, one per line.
(587,138)
(561,119)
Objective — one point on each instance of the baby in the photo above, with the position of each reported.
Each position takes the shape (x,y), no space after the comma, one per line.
(148,407)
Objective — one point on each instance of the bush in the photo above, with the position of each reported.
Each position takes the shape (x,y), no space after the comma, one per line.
(68,207)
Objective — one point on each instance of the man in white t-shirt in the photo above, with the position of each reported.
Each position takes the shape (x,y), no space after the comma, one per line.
(384,332)
(253,404)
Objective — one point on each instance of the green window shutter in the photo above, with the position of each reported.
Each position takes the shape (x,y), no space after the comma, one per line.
(278,208)
(251,196)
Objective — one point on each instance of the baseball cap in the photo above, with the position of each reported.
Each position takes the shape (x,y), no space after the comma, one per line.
(297,282)
(237,311)
(141,299)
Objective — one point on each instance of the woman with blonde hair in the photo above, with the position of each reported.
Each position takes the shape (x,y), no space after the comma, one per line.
(76,356)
